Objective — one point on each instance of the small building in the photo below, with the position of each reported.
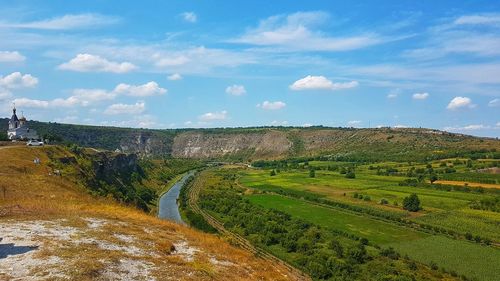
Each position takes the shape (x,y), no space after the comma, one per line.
(18,128)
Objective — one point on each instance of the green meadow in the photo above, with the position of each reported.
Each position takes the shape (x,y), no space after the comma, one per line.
(446,252)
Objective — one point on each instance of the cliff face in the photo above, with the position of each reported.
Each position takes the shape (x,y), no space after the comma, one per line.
(146,144)
(202,145)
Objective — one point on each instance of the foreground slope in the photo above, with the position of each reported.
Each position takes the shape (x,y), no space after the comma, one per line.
(51,229)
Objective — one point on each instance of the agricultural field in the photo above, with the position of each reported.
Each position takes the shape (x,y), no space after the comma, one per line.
(456,224)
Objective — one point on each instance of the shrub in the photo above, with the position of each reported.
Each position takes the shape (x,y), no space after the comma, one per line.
(273,173)
(412,203)
(384,201)
(350,175)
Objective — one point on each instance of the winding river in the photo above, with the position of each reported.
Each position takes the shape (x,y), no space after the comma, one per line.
(168,208)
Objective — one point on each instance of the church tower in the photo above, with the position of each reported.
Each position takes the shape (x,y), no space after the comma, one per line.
(14,121)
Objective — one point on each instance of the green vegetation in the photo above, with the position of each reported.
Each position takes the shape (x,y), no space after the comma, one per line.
(412,203)
(394,205)
(323,251)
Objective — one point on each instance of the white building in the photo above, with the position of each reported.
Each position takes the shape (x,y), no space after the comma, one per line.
(18,129)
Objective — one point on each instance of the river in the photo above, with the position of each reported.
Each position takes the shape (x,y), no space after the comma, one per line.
(168,208)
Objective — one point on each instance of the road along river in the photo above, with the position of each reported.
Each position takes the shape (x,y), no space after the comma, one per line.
(168,208)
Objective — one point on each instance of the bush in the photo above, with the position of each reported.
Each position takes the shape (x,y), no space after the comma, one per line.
(350,175)
(312,173)
(412,203)
(273,173)
(384,201)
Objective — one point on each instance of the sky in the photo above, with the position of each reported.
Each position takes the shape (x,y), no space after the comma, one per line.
(197,64)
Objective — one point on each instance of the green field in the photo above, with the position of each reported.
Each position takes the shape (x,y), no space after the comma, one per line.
(451,254)
(448,209)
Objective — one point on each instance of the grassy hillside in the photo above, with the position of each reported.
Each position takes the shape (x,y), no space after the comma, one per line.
(53,228)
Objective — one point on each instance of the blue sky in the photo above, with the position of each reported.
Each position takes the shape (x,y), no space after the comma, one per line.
(175,64)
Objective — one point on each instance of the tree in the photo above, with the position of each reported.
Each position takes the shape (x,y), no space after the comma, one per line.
(337,248)
(350,175)
(412,203)
(433,178)
(357,254)
(312,173)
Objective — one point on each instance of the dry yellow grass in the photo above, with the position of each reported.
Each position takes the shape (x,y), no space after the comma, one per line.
(33,196)
(472,184)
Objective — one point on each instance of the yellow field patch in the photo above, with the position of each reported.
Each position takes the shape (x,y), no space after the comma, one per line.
(472,184)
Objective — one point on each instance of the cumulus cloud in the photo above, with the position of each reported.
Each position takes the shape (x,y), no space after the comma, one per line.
(86,97)
(236,90)
(46,104)
(297,31)
(460,102)
(275,105)
(17,80)
(189,17)
(174,77)
(6,56)
(420,96)
(494,103)
(320,83)
(120,108)
(213,116)
(65,22)
(94,63)
(149,89)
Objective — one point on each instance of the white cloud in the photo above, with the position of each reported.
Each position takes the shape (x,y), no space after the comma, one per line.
(149,89)
(87,96)
(294,31)
(279,123)
(5,94)
(392,96)
(120,108)
(18,80)
(320,83)
(189,17)
(172,61)
(6,56)
(175,77)
(268,105)
(472,127)
(213,116)
(66,22)
(94,63)
(236,90)
(354,123)
(494,103)
(306,125)
(486,19)
(24,102)
(460,102)
(420,96)
(399,126)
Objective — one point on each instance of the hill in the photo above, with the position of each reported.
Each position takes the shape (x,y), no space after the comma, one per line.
(249,144)
(52,228)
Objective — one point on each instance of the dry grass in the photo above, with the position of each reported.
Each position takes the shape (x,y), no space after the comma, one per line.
(109,240)
(466,183)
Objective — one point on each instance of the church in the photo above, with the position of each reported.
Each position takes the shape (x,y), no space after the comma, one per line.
(18,128)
